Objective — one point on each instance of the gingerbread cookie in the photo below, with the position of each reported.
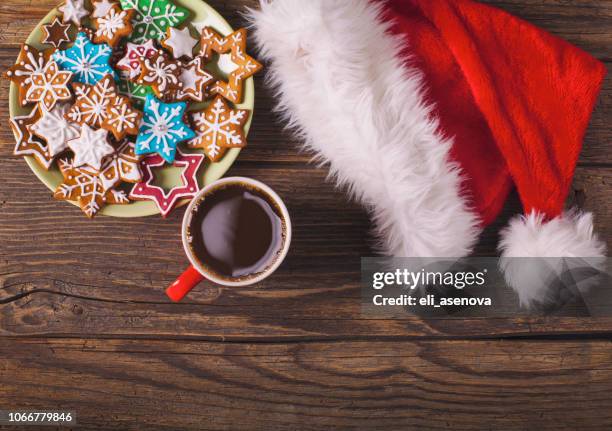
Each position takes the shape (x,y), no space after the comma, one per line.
(29,61)
(55,33)
(113,26)
(194,80)
(87,188)
(161,74)
(92,102)
(90,147)
(55,129)
(74,10)
(89,62)
(167,200)
(136,92)
(233,61)
(218,127)
(49,86)
(179,42)
(27,143)
(102,7)
(122,166)
(153,17)
(162,128)
(133,55)
(121,118)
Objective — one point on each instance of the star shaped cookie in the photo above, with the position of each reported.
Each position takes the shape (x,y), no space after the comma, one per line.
(121,118)
(194,79)
(153,17)
(55,33)
(133,55)
(89,62)
(179,42)
(113,26)
(121,166)
(73,10)
(167,200)
(162,128)
(92,102)
(101,7)
(55,129)
(49,86)
(90,147)
(86,186)
(29,61)
(218,127)
(27,143)
(161,74)
(233,61)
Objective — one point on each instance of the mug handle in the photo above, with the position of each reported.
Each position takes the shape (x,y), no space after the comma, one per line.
(184,284)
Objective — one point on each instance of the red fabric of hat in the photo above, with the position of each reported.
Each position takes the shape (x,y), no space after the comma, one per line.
(516,99)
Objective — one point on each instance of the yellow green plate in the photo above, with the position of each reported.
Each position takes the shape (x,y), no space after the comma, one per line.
(201,15)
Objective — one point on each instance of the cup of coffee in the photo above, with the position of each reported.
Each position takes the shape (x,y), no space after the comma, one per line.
(236,232)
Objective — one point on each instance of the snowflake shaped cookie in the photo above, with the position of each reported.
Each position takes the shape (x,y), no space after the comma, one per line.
(27,143)
(122,166)
(55,129)
(179,42)
(133,55)
(55,33)
(92,101)
(113,26)
(233,61)
(167,200)
(121,118)
(162,74)
(153,17)
(194,80)
(73,10)
(90,147)
(49,86)
(162,128)
(29,61)
(87,188)
(89,62)
(218,127)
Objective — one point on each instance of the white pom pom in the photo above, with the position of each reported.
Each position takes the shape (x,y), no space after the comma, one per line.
(567,236)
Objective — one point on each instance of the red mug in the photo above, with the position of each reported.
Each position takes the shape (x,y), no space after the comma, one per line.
(196,273)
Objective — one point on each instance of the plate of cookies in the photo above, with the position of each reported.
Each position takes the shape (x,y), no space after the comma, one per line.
(129,107)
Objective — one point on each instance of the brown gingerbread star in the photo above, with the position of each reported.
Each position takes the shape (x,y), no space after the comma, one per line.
(29,61)
(218,127)
(121,118)
(27,143)
(116,24)
(162,74)
(233,61)
(56,33)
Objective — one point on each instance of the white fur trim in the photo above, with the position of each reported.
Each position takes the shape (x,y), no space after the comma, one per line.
(341,84)
(569,235)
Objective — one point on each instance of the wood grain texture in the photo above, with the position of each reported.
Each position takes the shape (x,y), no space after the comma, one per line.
(85,326)
(425,385)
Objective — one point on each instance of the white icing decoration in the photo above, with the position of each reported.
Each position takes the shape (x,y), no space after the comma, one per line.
(181,42)
(101,8)
(91,147)
(110,24)
(74,10)
(226,65)
(55,129)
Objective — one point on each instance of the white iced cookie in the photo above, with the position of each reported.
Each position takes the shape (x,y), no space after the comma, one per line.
(55,129)
(179,42)
(91,147)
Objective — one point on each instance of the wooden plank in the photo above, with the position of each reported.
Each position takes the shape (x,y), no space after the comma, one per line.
(460,385)
(61,273)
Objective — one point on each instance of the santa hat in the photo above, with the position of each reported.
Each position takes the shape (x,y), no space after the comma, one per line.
(431,111)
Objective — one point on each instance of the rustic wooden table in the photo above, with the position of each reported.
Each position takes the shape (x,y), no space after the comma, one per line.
(85,325)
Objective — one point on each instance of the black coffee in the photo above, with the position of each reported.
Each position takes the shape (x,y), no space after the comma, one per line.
(236,231)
